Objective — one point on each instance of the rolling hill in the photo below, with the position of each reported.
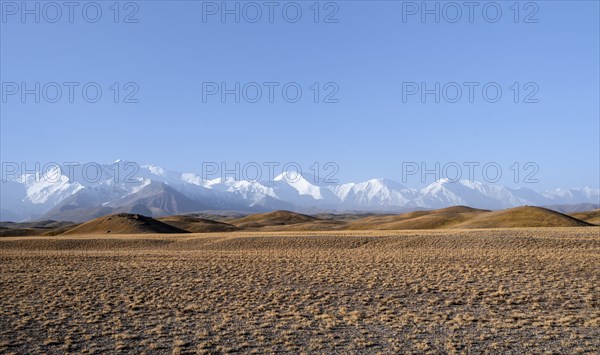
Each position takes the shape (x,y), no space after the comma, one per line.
(592,217)
(124,223)
(276,218)
(442,218)
(198,225)
(455,217)
(526,216)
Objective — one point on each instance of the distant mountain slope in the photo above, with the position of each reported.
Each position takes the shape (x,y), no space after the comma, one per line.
(568,209)
(526,216)
(78,215)
(7,216)
(155,199)
(123,223)
(158,199)
(11,229)
(48,224)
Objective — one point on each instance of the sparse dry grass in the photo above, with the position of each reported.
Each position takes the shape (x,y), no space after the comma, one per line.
(494,291)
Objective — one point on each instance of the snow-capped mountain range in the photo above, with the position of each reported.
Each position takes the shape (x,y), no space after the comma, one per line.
(155,191)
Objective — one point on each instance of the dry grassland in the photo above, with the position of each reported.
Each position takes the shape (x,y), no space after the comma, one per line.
(461,291)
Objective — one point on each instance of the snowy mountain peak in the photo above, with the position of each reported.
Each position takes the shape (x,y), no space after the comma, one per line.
(156,170)
(33,195)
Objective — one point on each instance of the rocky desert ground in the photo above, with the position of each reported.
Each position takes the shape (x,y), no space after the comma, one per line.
(532,290)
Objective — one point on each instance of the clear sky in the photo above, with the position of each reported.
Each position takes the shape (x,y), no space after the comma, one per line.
(368,49)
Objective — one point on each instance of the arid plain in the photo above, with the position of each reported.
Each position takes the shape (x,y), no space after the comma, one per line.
(513,290)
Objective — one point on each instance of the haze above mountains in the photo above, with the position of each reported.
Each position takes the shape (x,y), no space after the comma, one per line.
(154,191)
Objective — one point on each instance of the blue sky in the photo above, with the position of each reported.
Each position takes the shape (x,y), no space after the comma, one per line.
(369,53)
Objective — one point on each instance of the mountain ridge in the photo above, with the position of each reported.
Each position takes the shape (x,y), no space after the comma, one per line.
(158,192)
